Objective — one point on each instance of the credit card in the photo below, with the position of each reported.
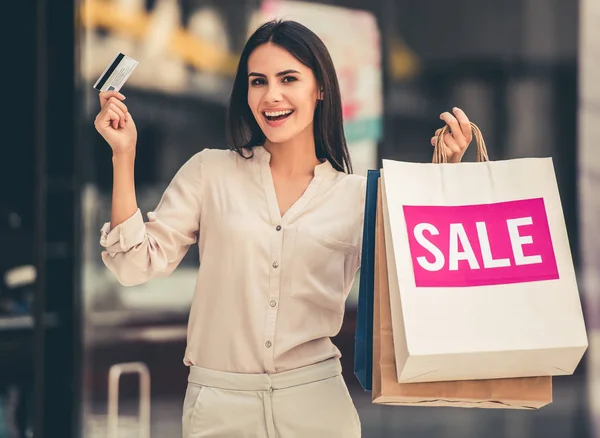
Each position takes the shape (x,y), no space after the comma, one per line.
(116,73)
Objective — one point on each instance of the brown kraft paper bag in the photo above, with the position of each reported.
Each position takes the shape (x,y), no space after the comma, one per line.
(519,393)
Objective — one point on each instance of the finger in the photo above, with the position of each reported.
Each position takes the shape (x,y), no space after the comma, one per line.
(434,140)
(452,124)
(465,124)
(438,132)
(116,120)
(112,118)
(122,107)
(451,144)
(105,95)
(129,121)
(112,106)
(120,104)
(118,111)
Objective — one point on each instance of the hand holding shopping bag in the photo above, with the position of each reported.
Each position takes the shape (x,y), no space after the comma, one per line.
(481,279)
(454,138)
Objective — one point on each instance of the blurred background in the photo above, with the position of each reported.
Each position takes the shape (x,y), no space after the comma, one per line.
(525,71)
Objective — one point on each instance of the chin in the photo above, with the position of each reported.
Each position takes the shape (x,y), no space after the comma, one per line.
(279,135)
(279,138)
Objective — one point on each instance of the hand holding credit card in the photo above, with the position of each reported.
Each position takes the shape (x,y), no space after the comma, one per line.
(114,122)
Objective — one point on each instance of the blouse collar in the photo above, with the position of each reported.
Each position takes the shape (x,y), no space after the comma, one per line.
(264,156)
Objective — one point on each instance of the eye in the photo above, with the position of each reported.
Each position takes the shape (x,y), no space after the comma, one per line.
(257,81)
(287,79)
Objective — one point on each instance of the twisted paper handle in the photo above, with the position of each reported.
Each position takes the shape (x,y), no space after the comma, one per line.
(439,152)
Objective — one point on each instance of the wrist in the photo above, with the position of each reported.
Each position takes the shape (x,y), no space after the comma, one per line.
(123,157)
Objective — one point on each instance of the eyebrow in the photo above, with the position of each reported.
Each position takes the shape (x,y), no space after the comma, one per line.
(281,73)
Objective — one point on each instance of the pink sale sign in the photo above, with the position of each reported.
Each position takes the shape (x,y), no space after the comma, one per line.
(480,245)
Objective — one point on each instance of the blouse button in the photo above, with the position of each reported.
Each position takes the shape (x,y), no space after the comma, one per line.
(273,303)
(278,227)
(275,265)
(268,344)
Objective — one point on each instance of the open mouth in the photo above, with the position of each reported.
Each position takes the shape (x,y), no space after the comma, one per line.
(274,116)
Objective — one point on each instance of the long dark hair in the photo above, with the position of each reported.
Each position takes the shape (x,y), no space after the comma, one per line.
(243,131)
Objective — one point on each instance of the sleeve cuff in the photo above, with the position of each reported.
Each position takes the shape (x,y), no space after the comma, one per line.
(124,236)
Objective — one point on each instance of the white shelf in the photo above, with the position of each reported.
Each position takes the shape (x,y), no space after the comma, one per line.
(16,322)
(24,322)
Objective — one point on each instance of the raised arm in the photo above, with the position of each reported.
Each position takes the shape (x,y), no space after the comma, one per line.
(136,251)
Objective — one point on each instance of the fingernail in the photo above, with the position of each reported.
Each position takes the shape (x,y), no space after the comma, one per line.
(455,108)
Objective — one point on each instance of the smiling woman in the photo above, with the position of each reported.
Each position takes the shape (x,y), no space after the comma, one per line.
(278,221)
(286,88)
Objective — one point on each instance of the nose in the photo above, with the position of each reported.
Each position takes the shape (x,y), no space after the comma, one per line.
(273,93)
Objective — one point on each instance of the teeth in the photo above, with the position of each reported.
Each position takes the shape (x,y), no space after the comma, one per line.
(277,113)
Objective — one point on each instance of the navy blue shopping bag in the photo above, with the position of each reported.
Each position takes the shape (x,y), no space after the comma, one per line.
(363,340)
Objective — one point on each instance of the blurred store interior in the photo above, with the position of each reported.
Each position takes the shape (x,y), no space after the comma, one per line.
(525,71)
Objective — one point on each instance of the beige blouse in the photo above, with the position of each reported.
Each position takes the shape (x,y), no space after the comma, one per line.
(270,290)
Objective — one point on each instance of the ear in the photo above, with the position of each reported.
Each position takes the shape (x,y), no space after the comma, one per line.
(321,94)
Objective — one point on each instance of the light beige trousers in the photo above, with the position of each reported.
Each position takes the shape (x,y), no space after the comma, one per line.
(308,402)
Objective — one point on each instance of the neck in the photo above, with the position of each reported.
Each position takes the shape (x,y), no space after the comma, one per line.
(294,157)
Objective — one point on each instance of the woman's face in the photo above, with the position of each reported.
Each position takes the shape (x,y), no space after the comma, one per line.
(282,93)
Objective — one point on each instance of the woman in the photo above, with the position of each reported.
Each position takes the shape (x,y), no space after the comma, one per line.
(278,220)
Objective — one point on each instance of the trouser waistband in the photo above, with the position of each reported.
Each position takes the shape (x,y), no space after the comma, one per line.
(263,382)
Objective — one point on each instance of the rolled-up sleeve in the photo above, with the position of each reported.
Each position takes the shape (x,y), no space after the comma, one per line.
(136,251)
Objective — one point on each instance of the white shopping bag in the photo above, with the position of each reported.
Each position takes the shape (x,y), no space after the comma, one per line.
(482,284)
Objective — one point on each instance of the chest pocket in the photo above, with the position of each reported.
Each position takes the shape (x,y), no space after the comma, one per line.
(319,274)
